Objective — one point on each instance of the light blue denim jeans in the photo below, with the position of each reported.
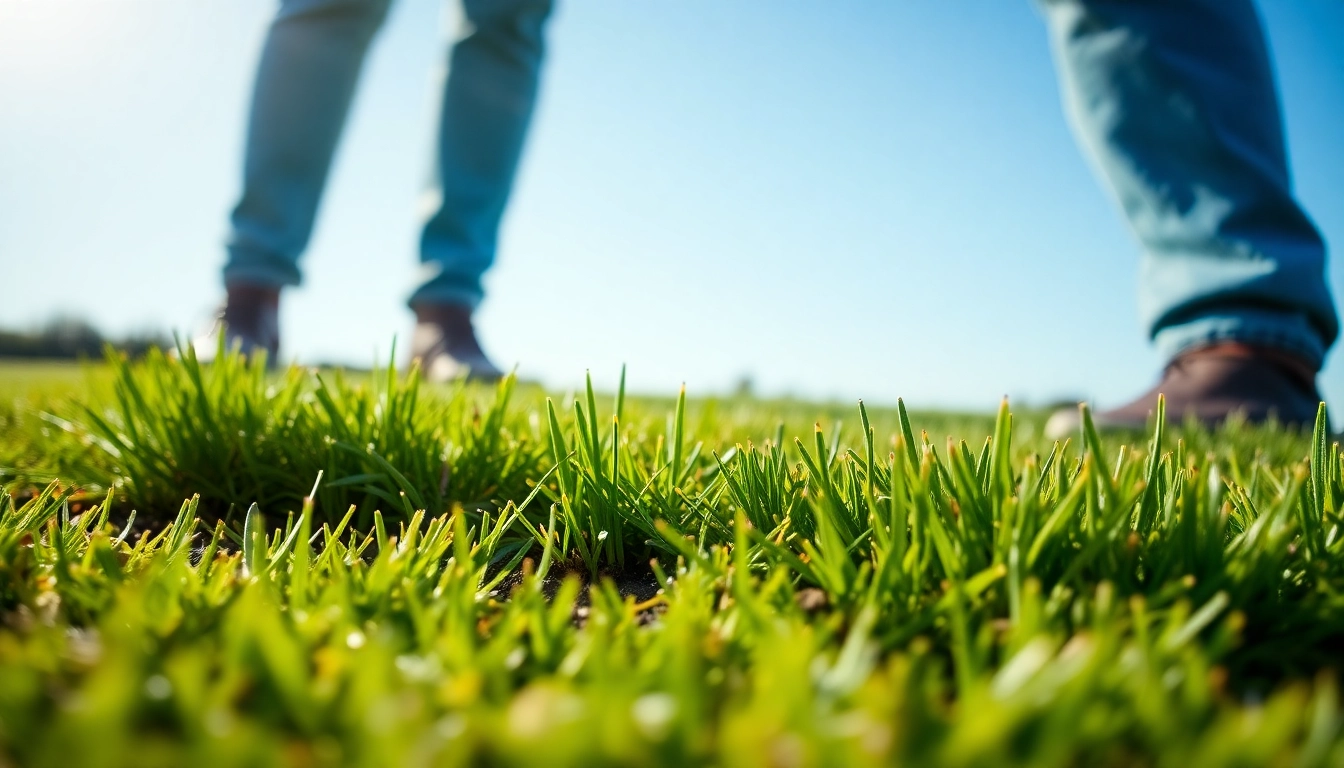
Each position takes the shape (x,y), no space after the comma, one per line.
(309,67)
(1176,103)
(1174,100)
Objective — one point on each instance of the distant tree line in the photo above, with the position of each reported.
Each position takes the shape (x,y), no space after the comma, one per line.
(71,337)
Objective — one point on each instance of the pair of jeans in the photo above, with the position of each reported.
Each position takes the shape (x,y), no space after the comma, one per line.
(1174,100)
(309,67)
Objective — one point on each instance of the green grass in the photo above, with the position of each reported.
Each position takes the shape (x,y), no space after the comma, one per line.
(367,570)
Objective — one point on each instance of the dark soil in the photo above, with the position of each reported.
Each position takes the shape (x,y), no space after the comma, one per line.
(638,585)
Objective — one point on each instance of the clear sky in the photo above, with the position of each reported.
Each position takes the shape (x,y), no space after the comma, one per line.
(848,198)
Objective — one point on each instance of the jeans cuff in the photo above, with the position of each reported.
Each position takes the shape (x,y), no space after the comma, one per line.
(260,269)
(446,294)
(1285,331)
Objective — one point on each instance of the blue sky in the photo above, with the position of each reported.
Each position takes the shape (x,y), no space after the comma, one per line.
(842,199)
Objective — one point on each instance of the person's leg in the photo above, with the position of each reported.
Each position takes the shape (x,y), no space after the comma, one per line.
(1176,103)
(489,94)
(305,82)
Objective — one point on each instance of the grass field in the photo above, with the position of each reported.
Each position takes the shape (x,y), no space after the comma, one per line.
(220,566)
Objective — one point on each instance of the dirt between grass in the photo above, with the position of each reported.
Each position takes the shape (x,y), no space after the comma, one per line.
(638,585)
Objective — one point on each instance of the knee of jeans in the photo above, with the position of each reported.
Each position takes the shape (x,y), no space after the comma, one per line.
(514,18)
(369,14)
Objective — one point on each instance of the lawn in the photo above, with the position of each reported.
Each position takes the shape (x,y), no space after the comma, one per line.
(216,565)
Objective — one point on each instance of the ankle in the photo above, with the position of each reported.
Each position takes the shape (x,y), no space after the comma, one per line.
(442,314)
(245,296)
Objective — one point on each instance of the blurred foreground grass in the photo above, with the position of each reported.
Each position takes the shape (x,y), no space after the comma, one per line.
(488,576)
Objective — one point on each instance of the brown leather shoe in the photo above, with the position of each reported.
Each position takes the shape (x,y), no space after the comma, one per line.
(249,321)
(445,343)
(1211,383)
